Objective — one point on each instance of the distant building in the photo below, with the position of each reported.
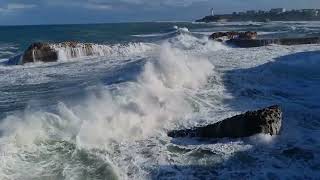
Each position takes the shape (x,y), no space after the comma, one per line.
(278,10)
(251,12)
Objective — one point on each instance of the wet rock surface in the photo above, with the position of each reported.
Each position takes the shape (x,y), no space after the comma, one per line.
(247,43)
(250,39)
(218,36)
(39,52)
(46,52)
(266,121)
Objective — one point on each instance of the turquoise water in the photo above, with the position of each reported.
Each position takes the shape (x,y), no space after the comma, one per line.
(107,116)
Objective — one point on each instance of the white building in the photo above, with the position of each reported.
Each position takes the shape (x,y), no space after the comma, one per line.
(212,13)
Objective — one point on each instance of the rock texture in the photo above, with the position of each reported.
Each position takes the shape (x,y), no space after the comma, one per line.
(247,43)
(267,121)
(219,36)
(39,52)
(249,39)
(48,52)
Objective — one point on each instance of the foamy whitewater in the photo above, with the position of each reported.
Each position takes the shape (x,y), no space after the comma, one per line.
(107,116)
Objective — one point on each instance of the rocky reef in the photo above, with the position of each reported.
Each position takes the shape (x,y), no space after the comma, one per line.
(250,39)
(219,36)
(47,52)
(266,121)
(246,43)
(39,52)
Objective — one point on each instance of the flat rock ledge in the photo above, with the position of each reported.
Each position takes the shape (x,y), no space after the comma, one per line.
(250,39)
(266,121)
(247,43)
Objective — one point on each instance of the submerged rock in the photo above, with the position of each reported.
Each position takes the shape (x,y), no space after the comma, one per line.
(246,43)
(267,121)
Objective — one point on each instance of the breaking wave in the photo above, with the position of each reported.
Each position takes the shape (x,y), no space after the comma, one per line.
(71,136)
(95,50)
(173,32)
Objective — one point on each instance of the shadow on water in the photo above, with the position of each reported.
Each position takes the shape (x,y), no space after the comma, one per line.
(283,81)
(292,81)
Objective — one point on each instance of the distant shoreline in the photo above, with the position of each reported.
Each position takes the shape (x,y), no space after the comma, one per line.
(279,14)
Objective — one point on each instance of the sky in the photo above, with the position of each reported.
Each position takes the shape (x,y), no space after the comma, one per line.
(29,12)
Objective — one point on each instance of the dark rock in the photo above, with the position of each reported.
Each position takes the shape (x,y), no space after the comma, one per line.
(295,41)
(249,39)
(246,43)
(39,52)
(267,121)
(233,35)
(46,52)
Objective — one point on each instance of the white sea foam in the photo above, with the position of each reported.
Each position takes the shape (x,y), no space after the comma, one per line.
(134,112)
(175,30)
(81,50)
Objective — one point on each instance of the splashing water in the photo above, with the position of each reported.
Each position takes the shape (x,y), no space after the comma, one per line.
(106,117)
(133,112)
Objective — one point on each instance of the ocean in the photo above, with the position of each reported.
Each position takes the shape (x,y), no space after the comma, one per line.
(107,116)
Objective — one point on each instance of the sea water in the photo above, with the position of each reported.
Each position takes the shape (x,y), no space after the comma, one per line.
(107,116)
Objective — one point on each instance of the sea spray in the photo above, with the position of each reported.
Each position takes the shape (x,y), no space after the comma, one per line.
(80,50)
(133,112)
(188,42)
(141,108)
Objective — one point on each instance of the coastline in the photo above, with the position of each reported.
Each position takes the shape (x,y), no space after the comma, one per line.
(279,14)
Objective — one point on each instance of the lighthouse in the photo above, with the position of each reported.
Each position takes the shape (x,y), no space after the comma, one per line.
(212,13)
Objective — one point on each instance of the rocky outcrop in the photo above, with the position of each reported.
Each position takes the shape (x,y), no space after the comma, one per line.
(39,52)
(267,121)
(249,39)
(247,43)
(48,52)
(220,36)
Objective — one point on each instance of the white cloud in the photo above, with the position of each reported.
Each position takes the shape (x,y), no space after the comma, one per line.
(90,4)
(15,6)
(98,6)
(12,7)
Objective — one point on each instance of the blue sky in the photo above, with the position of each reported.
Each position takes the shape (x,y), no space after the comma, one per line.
(98,11)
